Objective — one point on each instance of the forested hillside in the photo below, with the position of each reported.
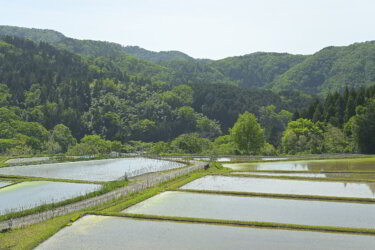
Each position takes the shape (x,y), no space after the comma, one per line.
(156,56)
(51,88)
(331,69)
(328,70)
(257,69)
(56,91)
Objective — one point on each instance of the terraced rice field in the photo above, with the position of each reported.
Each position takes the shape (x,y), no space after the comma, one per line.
(104,232)
(4,183)
(281,186)
(30,194)
(96,170)
(363,164)
(232,212)
(40,184)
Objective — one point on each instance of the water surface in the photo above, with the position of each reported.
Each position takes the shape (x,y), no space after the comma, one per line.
(30,194)
(210,206)
(4,183)
(96,170)
(96,232)
(283,186)
(283,174)
(321,175)
(362,164)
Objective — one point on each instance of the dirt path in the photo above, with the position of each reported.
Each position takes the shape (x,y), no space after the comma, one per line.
(140,183)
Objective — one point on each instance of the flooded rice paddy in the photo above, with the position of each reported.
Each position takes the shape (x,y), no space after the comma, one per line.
(97,170)
(282,174)
(98,232)
(223,207)
(27,195)
(4,183)
(282,186)
(368,176)
(362,164)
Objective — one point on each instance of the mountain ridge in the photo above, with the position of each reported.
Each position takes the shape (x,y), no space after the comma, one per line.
(329,69)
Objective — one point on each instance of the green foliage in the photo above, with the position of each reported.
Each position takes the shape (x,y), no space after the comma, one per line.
(5,95)
(225,103)
(331,69)
(7,115)
(268,150)
(156,56)
(363,128)
(335,141)
(216,165)
(224,145)
(208,128)
(257,69)
(90,145)
(190,144)
(7,144)
(274,123)
(248,134)
(302,136)
(62,135)
(74,88)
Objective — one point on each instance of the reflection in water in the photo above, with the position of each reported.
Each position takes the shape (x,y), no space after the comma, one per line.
(4,183)
(98,170)
(27,195)
(282,174)
(367,164)
(304,212)
(364,176)
(119,233)
(281,186)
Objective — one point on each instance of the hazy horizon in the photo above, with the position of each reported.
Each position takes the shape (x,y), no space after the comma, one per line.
(202,29)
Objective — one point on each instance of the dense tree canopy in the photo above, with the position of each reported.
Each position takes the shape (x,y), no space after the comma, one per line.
(60,94)
(248,134)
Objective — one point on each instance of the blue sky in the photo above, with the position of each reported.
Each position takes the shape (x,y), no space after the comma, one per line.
(203,28)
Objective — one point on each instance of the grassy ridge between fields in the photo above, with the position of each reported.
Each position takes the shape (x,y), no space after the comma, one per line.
(367,231)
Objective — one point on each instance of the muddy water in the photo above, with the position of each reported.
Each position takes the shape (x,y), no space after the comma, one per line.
(96,232)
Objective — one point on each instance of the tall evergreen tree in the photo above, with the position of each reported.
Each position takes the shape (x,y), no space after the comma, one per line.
(349,109)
